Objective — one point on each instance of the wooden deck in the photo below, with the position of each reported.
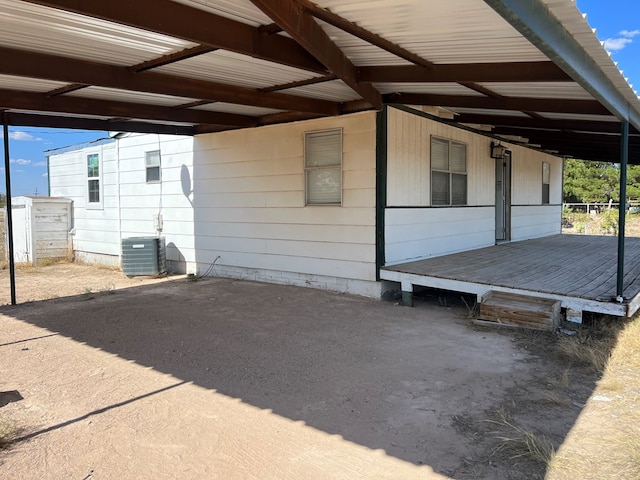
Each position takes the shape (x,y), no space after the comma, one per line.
(579,270)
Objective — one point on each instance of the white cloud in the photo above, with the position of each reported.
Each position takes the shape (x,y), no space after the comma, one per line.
(20,161)
(23,136)
(625,37)
(39,164)
(45,174)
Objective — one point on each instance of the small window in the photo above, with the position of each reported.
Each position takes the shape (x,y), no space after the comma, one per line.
(546,180)
(93,178)
(323,167)
(448,172)
(152,164)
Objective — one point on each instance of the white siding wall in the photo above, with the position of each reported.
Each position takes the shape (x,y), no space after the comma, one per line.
(535,221)
(129,203)
(415,233)
(142,202)
(249,206)
(96,229)
(529,218)
(526,165)
(409,166)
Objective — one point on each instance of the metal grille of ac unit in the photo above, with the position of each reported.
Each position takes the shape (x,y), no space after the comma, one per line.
(143,256)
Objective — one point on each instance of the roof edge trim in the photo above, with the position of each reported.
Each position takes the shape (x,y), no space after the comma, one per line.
(538,25)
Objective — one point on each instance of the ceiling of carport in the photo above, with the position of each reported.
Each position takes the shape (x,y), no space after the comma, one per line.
(196,66)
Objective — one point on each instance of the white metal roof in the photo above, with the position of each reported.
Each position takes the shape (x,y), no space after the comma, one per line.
(206,65)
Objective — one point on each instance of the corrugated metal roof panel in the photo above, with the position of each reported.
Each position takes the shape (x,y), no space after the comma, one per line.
(465,31)
(60,114)
(335,90)
(432,88)
(238,109)
(36,28)
(484,111)
(573,21)
(240,10)
(159,122)
(101,93)
(237,69)
(10,82)
(576,116)
(560,90)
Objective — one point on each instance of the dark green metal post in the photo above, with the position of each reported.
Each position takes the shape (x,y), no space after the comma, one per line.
(7,181)
(624,159)
(381,187)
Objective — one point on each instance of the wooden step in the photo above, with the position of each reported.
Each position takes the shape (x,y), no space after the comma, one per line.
(515,310)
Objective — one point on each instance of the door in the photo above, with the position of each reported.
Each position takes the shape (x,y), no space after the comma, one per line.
(503,198)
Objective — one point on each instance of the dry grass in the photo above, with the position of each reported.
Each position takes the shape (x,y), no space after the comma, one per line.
(8,433)
(605,442)
(591,346)
(519,444)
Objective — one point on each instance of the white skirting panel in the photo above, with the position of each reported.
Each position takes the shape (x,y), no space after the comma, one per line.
(418,233)
(365,288)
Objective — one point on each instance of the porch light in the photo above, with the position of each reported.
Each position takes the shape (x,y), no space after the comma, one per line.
(497,150)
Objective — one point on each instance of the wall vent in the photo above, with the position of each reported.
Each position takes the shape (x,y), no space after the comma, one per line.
(143,256)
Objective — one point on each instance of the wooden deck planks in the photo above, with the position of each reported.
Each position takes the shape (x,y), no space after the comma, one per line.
(572,265)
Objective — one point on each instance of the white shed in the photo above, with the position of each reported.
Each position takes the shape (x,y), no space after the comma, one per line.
(41,228)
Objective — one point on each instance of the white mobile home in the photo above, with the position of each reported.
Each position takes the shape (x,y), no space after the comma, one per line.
(323,203)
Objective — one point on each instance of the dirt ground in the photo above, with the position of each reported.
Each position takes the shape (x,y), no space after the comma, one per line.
(171,379)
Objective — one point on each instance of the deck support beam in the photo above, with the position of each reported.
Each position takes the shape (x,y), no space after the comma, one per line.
(573,316)
(407,294)
(624,160)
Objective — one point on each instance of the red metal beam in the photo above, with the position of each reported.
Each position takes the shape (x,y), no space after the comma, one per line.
(14,99)
(298,23)
(51,67)
(466,72)
(196,25)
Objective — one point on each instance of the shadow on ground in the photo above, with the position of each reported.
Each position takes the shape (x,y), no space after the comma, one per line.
(417,383)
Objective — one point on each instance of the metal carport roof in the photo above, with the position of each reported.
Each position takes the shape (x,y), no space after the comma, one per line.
(531,69)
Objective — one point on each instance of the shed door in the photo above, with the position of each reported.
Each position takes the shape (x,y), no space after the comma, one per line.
(503,198)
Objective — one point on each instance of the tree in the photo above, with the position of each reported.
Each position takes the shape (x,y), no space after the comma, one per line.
(597,182)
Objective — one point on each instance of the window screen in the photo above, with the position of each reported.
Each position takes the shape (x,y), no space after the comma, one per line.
(448,172)
(323,167)
(546,180)
(152,164)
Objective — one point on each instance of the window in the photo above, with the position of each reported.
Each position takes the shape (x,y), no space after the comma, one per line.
(152,164)
(546,177)
(448,172)
(93,178)
(323,167)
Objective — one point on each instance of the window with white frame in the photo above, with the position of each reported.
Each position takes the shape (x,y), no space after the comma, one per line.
(448,172)
(546,181)
(93,179)
(323,167)
(152,165)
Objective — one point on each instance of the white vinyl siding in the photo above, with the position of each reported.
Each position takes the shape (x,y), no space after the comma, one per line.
(323,167)
(448,172)
(417,233)
(409,167)
(420,231)
(152,166)
(250,206)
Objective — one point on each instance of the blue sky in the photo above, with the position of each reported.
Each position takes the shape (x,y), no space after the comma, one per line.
(617,23)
